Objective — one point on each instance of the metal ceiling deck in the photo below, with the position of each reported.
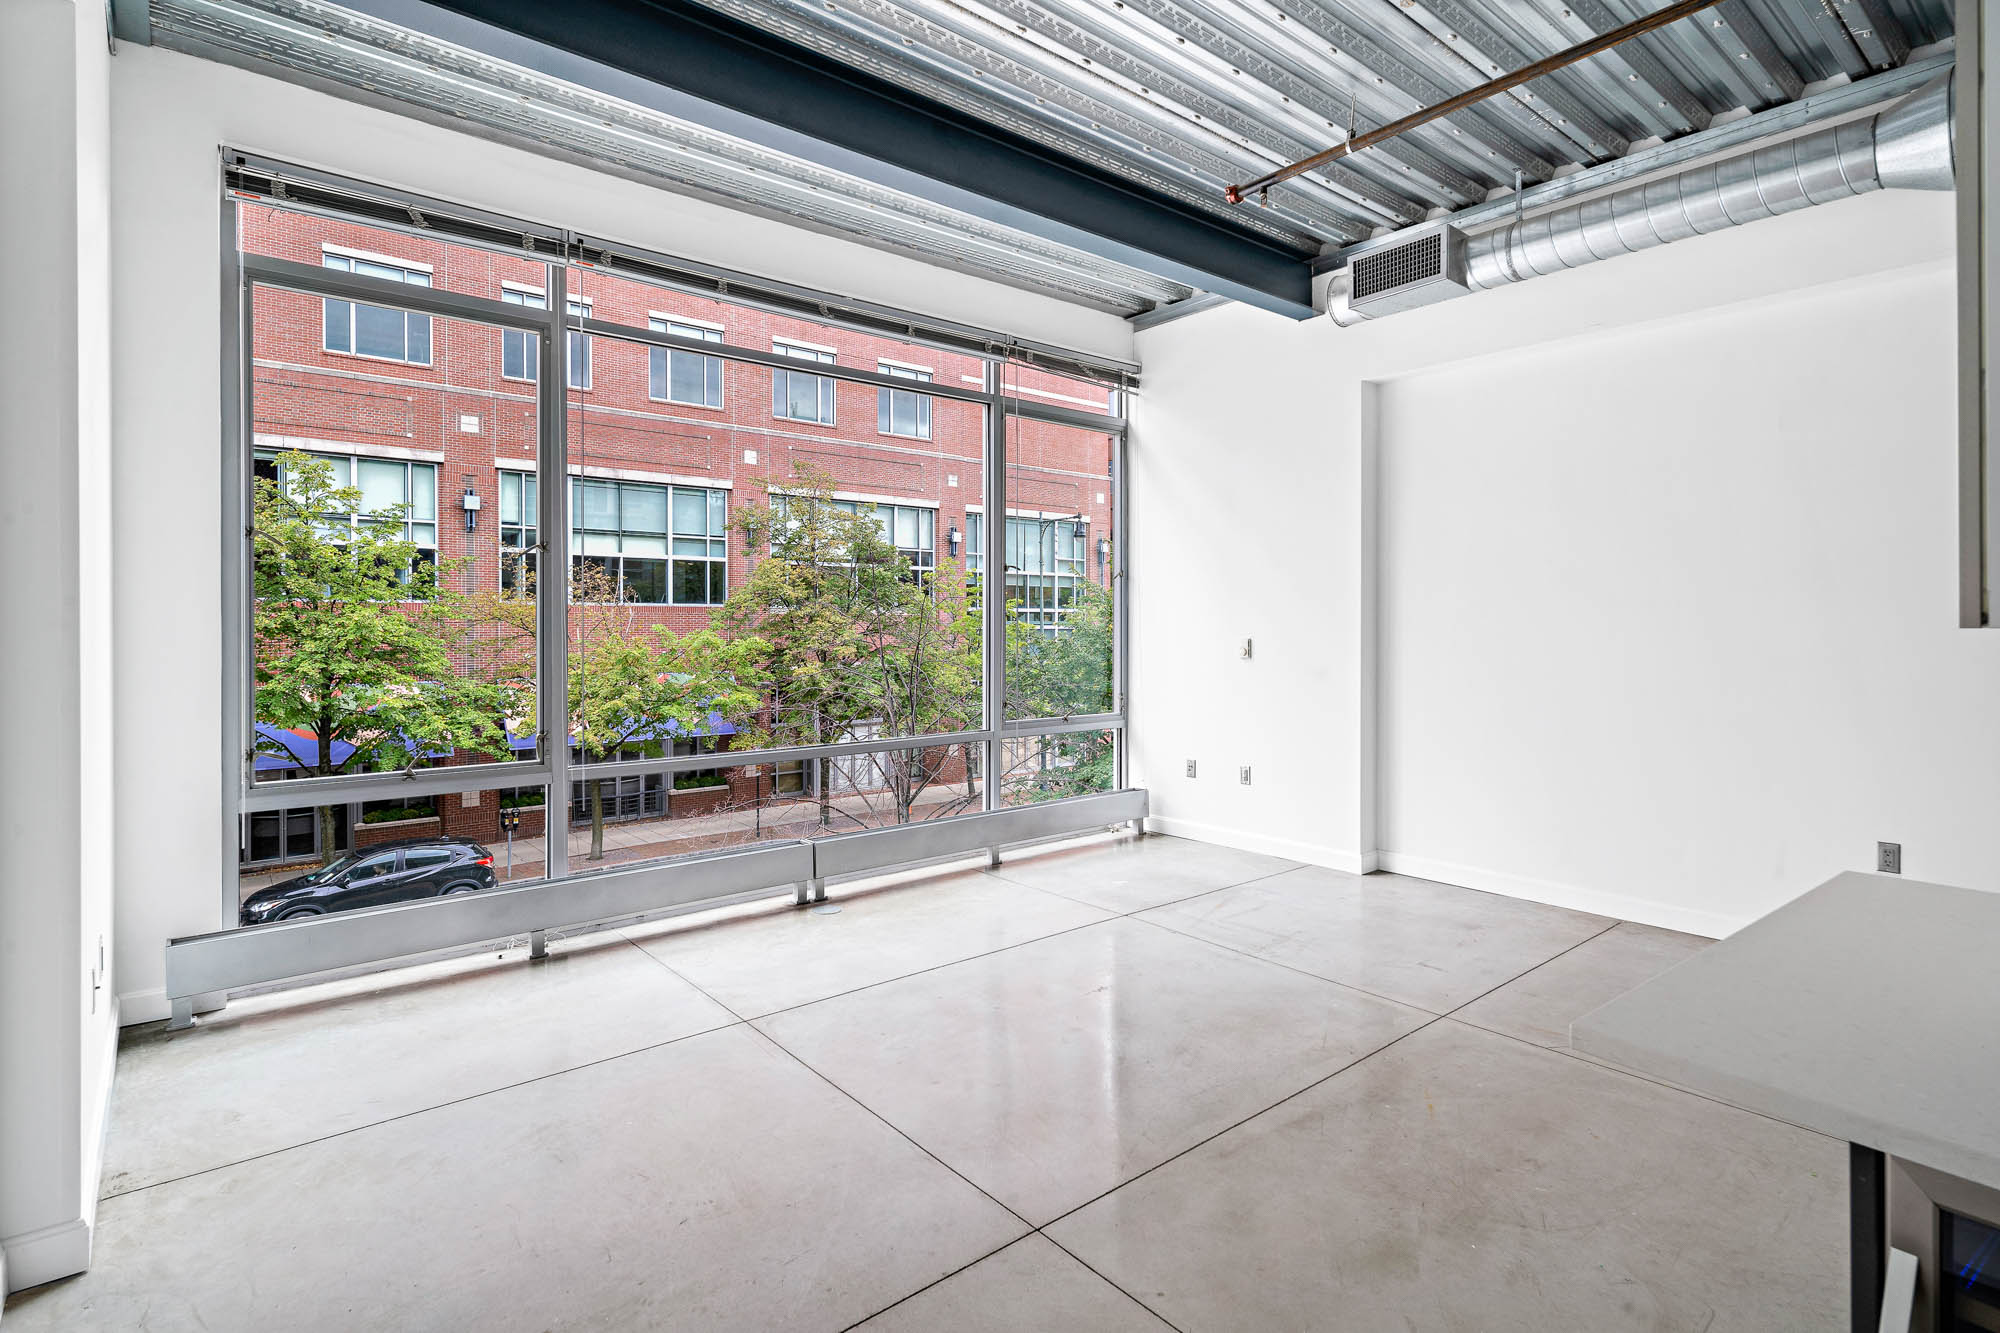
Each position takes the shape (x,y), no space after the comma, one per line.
(328,46)
(1177,97)
(1187,96)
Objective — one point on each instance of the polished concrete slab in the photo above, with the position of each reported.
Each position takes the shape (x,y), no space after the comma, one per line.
(1210,1134)
(274,1071)
(714,1183)
(777,957)
(1466,1181)
(1540,1006)
(1053,1072)
(1410,940)
(1133,874)
(1032,1286)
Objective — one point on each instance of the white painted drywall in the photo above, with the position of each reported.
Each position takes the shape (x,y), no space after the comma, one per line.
(1664,572)
(58,1029)
(170,115)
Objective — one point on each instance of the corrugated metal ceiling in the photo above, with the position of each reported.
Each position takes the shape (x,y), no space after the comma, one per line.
(1182,96)
(1190,95)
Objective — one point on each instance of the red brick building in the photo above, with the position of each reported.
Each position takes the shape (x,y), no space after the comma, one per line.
(665,446)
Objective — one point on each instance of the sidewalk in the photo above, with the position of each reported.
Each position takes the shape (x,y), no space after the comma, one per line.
(634,840)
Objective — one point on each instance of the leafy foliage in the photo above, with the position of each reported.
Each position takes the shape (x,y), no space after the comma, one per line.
(357,636)
(856,644)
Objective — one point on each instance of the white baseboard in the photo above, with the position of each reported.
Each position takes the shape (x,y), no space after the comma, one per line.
(43,1255)
(1311,853)
(1645,911)
(144,1006)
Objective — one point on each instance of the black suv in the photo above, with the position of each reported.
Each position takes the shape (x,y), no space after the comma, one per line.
(388,872)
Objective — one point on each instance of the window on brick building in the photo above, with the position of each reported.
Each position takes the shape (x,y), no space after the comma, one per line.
(797,395)
(385,484)
(359,329)
(1045,567)
(519,529)
(662,544)
(519,349)
(908,528)
(685,377)
(904,411)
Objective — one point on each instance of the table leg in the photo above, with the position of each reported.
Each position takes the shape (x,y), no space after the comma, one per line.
(1868,1223)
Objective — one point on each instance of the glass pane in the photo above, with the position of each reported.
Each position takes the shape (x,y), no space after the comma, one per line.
(339,326)
(423,491)
(644,508)
(307,862)
(383,486)
(908,527)
(645,580)
(1048,768)
(690,511)
(448,678)
(597,504)
(1060,623)
(691,582)
(378,332)
(737,651)
(690,374)
(617,822)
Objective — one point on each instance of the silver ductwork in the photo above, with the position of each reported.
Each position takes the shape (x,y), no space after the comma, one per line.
(1908,146)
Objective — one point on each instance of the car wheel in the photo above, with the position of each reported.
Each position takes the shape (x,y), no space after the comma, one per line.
(295,913)
(460,888)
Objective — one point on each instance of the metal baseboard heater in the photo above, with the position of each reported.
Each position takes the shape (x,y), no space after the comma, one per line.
(227,960)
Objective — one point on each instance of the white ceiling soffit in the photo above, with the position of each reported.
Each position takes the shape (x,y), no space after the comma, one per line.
(337,49)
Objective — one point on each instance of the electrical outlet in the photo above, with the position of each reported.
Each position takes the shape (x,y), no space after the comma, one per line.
(1190,768)
(1889,857)
(1243,775)
(1246,650)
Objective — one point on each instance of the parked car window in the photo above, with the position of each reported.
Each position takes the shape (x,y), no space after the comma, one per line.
(373,868)
(423,858)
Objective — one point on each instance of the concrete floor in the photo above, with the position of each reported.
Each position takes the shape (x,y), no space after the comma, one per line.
(1124,1084)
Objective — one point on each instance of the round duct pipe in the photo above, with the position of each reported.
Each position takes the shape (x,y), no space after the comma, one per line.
(1908,146)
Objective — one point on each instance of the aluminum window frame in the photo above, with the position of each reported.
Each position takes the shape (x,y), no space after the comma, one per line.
(243,273)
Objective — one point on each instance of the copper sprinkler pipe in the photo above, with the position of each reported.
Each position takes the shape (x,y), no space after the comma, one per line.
(1236,194)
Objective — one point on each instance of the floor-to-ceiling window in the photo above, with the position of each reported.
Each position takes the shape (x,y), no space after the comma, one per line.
(751,608)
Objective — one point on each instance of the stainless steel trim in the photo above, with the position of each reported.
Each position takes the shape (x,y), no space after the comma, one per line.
(552,594)
(293,793)
(431,208)
(294,276)
(234,511)
(877,849)
(682,763)
(1064,416)
(1978,147)
(231,959)
(993,592)
(255,955)
(1059,726)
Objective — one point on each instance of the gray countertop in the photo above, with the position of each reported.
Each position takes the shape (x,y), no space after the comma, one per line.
(1868,1009)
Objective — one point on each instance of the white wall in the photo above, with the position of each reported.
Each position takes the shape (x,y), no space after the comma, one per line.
(1653,562)
(170,115)
(57,1023)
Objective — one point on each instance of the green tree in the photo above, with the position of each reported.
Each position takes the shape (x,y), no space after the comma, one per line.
(1063,672)
(631,686)
(638,687)
(358,640)
(855,644)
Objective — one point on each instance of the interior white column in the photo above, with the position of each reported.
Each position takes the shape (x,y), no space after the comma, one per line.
(58,1028)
